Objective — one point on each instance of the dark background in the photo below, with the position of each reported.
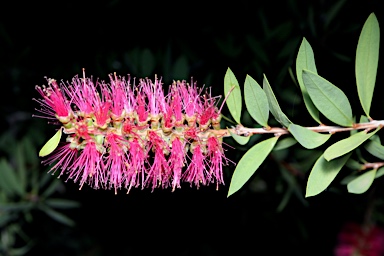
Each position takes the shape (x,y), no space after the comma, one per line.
(58,38)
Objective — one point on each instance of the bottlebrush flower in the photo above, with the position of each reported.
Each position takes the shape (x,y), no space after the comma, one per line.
(123,135)
(355,239)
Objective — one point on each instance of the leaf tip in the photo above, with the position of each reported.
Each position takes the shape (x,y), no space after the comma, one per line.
(230,192)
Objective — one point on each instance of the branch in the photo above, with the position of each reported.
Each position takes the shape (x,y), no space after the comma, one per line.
(277,131)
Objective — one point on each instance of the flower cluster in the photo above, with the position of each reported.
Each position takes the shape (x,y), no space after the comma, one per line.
(356,239)
(129,133)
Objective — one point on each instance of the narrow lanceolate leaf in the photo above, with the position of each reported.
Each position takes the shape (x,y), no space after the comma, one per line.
(61,203)
(274,105)
(9,179)
(328,99)
(375,149)
(256,101)
(362,182)
(346,145)
(323,173)
(249,163)
(367,58)
(284,143)
(234,101)
(51,144)
(308,138)
(379,173)
(306,60)
(242,140)
(57,216)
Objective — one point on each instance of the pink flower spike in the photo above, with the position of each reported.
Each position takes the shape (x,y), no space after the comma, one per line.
(116,161)
(159,172)
(102,114)
(55,102)
(64,156)
(176,104)
(83,94)
(215,159)
(141,108)
(136,166)
(155,95)
(130,103)
(196,172)
(87,167)
(119,97)
(120,134)
(191,98)
(176,162)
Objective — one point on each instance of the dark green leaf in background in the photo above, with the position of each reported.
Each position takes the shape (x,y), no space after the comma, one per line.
(9,181)
(58,216)
(147,62)
(61,203)
(180,68)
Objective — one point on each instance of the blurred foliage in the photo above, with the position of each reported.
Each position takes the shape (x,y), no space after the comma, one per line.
(24,189)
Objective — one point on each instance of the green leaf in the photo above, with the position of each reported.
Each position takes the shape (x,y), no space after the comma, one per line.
(274,105)
(21,251)
(61,203)
(53,186)
(20,156)
(9,179)
(333,12)
(256,101)
(234,100)
(284,143)
(354,165)
(51,145)
(375,149)
(308,138)
(249,163)
(367,58)
(147,62)
(242,140)
(59,217)
(180,68)
(284,201)
(348,178)
(346,145)
(328,99)
(362,182)
(306,60)
(18,206)
(380,172)
(364,119)
(5,219)
(323,173)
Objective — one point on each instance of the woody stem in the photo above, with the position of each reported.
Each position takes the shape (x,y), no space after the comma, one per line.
(277,131)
